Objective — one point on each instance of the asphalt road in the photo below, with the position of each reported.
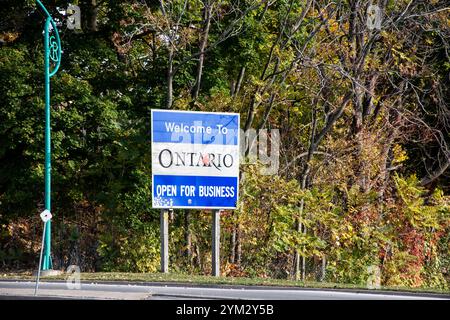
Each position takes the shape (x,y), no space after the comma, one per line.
(59,290)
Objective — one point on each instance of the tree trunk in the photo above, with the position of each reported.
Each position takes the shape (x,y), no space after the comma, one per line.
(203,43)
(297,253)
(239,82)
(304,179)
(89,11)
(233,243)
(238,245)
(324,265)
(198,257)
(169,99)
(187,235)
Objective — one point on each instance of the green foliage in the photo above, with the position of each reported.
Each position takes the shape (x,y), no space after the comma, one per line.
(420,215)
(130,237)
(133,249)
(357,197)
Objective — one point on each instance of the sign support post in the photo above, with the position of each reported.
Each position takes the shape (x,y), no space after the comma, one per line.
(216,243)
(164,231)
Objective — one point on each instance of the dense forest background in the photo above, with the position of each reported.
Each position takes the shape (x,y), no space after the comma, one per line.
(363,114)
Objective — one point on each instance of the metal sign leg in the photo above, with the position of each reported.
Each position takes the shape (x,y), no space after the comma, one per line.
(216,244)
(164,231)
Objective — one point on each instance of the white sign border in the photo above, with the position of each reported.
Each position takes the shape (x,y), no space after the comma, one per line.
(238,144)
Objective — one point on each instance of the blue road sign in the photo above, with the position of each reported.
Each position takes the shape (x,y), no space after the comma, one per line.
(195,159)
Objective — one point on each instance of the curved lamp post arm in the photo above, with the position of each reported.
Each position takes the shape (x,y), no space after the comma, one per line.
(43,8)
(53,46)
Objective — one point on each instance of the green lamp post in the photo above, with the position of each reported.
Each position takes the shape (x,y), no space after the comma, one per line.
(52,59)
